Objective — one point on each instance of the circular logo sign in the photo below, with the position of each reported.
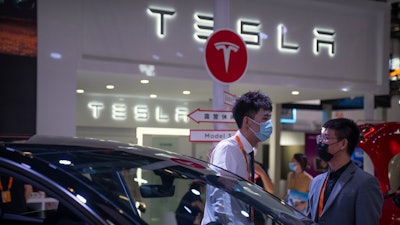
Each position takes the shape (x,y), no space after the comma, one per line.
(226,56)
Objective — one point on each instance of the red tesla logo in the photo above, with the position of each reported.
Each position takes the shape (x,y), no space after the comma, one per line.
(226,56)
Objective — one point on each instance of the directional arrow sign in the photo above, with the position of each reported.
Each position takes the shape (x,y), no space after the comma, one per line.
(211,116)
(210,135)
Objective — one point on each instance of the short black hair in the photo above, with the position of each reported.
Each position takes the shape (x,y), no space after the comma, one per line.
(249,104)
(345,129)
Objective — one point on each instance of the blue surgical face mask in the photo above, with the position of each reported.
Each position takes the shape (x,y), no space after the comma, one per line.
(265,130)
(292,166)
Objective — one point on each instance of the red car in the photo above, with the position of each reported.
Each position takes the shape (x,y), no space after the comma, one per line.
(382,144)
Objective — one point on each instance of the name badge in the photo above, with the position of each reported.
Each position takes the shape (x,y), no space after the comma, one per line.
(6,196)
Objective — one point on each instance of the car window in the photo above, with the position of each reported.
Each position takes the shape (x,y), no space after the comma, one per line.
(166,195)
(28,205)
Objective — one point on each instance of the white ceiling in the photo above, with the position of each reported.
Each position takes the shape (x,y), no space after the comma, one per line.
(113,53)
(201,90)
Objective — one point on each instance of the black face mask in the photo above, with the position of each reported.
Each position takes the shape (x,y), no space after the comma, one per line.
(322,150)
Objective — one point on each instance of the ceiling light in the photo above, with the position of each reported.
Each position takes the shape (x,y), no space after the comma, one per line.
(144,81)
(264,36)
(153,96)
(186,92)
(55,55)
(345,89)
(179,54)
(110,86)
(295,92)
(80,91)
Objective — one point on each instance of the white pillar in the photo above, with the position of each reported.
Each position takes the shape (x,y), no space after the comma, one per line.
(394,111)
(221,21)
(369,101)
(59,33)
(326,112)
(275,156)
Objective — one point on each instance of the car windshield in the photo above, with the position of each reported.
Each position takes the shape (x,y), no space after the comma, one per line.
(153,186)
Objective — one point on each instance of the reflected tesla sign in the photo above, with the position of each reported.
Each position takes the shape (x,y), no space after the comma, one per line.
(226,56)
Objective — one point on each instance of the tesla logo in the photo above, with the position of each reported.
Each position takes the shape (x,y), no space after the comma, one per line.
(250,31)
(229,66)
(226,47)
(139,113)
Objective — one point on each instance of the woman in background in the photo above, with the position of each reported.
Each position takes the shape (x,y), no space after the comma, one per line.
(298,182)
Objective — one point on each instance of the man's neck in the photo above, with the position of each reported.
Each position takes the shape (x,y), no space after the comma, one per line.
(336,164)
(250,137)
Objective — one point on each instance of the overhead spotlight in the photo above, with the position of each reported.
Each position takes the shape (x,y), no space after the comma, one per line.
(295,92)
(179,54)
(153,96)
(55,55)
(186,92)
(345,89)
(80,91)
(110,86)
(144,81)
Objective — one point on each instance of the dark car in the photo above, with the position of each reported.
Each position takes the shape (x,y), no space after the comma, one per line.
(86,181)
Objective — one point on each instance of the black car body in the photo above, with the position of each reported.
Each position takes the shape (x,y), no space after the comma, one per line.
(104,182)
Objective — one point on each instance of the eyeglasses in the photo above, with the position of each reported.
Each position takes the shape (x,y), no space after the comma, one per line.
(323,138)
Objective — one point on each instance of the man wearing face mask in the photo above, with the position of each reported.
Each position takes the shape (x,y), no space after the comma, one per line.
(345,194)
(252,113)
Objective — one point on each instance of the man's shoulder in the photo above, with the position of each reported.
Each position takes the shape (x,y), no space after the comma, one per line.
(224,146)
(363,175)
(228,142)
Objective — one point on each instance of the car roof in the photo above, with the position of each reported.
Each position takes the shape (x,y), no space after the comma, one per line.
(85,152)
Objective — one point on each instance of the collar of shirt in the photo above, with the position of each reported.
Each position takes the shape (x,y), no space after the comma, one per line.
(246,145)
(335,175)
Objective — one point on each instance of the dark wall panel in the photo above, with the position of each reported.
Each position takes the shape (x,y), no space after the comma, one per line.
(17,95)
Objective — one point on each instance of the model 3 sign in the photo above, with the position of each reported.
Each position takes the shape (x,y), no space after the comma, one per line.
(226,56)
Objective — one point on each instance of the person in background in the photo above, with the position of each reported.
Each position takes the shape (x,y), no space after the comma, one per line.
(262,178)
(191,207)
(345,194)
(298,182)
(252,114)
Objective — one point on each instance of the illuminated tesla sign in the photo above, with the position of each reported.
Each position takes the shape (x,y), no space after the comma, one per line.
(137,112)
(249,30)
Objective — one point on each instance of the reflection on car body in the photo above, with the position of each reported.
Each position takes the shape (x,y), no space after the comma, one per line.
(103,182)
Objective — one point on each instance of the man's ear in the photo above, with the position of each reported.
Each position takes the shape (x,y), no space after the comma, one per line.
(344,144)
(245,122)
